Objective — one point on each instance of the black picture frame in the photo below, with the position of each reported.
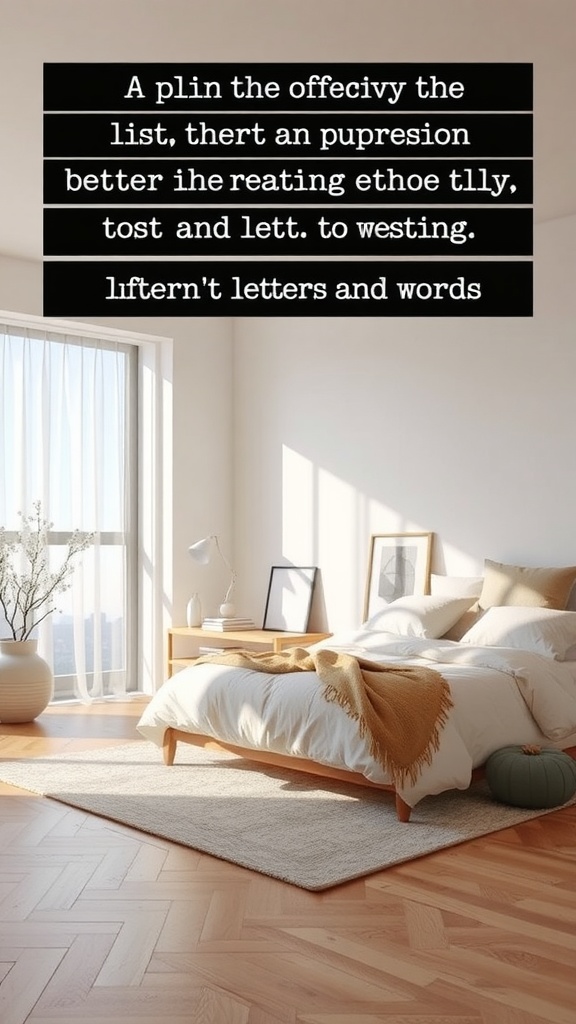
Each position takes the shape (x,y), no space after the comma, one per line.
(289,598)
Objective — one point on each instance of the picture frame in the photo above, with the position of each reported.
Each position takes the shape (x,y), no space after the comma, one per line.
(398,566)
(289,598)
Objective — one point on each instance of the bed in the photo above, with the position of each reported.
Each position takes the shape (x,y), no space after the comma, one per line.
(511,678)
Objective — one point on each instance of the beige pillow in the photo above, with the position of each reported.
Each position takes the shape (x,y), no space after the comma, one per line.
(464,623)
(506,585)
(459,586)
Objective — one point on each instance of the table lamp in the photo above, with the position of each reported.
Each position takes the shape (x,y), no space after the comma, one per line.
(202,552)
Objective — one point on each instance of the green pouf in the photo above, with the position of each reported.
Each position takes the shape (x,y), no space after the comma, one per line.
(530,776)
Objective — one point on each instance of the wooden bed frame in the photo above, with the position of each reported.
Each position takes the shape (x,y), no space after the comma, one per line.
(174,736)
(300,764)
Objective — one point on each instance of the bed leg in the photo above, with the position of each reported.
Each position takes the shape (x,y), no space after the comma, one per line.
(169,746)
(403,811)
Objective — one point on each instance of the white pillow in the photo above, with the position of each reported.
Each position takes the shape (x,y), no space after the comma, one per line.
(456,586)
(427,616)
(543,631)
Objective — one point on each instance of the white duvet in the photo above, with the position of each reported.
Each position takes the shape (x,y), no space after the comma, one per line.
(501,696)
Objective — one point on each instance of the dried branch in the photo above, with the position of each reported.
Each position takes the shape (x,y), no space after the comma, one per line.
(27,597)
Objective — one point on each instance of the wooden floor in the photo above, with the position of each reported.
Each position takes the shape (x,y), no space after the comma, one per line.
(102,925)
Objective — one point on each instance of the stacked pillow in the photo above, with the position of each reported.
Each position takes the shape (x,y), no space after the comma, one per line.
(546,631)
(506,585)
(459,586)
(456,586)
(419,615)
(519,607)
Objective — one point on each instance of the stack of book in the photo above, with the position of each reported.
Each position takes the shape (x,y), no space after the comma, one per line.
(217,650)
(227,624)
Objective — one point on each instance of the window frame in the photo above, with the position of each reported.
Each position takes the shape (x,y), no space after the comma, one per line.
(151,425)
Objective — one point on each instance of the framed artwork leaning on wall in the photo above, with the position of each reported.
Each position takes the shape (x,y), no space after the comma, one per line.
(289,599)
(398,566)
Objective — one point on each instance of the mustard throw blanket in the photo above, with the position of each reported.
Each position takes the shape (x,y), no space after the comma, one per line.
(399,709)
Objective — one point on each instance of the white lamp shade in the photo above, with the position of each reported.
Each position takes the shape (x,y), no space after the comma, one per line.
(201,550)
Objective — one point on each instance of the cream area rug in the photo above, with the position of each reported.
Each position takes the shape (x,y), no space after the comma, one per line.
(304,830)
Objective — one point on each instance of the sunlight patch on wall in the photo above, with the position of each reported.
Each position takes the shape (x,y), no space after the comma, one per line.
(328,522)
(323,524)
(339,527)
(383,519)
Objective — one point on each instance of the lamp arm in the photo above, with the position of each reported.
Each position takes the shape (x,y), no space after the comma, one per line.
(230,588)
(230,570)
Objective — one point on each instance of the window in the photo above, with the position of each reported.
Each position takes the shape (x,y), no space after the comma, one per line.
(68,437)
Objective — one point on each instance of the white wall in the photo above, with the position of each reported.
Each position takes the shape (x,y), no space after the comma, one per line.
(464,427)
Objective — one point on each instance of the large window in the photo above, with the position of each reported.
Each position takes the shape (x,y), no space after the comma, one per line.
(68,438)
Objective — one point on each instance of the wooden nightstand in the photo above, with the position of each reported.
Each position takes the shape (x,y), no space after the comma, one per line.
(268,639)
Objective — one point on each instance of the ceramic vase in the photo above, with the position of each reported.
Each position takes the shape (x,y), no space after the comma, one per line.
(26,681)
(194,611)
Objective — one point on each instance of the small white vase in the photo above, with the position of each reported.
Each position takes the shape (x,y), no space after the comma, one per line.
(26,681)
(194,611)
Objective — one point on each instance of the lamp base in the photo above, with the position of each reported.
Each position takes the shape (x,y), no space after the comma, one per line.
(228,610)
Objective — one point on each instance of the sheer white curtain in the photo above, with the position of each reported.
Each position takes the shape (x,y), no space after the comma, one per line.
(67,438)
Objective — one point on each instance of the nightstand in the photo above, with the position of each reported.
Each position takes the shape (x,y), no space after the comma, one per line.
(266,639)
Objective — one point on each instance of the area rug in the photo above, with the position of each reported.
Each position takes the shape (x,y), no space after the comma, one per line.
(307,831)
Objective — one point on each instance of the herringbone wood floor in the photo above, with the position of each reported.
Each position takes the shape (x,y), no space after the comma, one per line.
(100,924)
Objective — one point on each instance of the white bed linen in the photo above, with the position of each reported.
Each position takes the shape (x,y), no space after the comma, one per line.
(500,696)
